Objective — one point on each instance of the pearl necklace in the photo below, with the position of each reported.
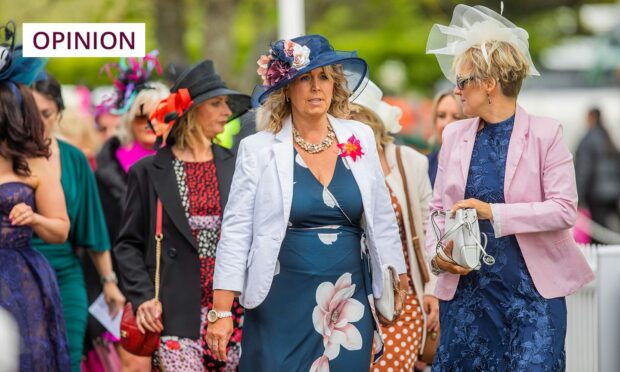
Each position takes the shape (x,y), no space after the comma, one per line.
(313,148)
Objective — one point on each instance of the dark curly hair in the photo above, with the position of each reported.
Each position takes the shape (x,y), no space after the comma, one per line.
(21,128)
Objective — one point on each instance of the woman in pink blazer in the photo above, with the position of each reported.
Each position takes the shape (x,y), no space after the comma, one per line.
(515,170)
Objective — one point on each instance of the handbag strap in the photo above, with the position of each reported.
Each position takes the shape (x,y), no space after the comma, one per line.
(159,236)
(414,236)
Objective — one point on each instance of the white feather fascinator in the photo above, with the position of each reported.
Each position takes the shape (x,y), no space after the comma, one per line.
(471,26)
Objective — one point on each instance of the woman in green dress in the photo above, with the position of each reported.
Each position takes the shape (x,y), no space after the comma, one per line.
(88,228)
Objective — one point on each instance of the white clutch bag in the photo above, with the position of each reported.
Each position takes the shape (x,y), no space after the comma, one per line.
(385,305)
(463,229)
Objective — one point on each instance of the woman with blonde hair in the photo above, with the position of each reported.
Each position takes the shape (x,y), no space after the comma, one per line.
(189,177)
(136,97)
(405,172)
(307,189)
(446,110)
(514,172)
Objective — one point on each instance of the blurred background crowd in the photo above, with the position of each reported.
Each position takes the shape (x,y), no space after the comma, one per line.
(574,43)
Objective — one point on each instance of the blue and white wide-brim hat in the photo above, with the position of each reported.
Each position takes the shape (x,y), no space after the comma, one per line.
(289,59)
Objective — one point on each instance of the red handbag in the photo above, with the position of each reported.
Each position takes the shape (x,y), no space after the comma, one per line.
(134,341)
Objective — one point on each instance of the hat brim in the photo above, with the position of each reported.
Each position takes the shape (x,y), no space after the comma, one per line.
(355,70)
(238,103)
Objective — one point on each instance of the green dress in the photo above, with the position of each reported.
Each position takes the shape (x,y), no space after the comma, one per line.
(88,230)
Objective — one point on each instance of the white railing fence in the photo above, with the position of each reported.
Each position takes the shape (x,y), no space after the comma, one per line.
(593,334)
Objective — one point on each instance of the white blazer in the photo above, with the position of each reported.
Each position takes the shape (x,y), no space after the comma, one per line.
(256,216)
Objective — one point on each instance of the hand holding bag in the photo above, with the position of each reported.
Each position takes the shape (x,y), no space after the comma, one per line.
(463,229)
(134,341)
(386,304)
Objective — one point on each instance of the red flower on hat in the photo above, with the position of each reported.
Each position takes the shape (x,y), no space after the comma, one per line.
(351,148)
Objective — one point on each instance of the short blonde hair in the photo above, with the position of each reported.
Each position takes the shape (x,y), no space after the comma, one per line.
(370,118)
(507,65)
(148,98)
(272,113)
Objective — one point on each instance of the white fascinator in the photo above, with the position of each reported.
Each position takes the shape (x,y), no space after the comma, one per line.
(471,26)
(371,98)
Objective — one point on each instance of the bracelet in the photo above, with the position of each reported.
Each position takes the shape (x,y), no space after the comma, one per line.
(110,278)
(435,269)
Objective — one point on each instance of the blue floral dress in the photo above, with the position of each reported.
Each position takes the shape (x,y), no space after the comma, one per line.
(497,320)
(317,315)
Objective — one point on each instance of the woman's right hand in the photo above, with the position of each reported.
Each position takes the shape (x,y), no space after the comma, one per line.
(448,266)
(148,317)
(218,334)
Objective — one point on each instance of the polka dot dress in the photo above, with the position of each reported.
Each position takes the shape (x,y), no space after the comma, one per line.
(402,340)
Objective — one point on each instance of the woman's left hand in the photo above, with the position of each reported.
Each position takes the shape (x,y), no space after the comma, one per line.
(482,209)
(113,297)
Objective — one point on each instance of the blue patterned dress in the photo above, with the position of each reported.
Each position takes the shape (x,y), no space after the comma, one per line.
(497,320)
(317,315)
(29,291)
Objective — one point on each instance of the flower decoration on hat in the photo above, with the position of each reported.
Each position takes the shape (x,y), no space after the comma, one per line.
(170,109)
(352,148)
(132,76)
(285,58)
(288,59)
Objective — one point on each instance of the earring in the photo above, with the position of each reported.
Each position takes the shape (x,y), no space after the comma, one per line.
(287,99)
(489,98)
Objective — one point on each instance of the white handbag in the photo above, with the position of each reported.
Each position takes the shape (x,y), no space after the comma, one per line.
(463,229)
(386,305)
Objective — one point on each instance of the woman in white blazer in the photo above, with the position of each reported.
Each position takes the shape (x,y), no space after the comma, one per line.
(410,194)
(305,191)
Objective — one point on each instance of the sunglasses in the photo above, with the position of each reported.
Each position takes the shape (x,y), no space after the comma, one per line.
(461,81)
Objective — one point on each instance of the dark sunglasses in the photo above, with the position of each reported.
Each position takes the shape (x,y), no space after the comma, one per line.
(461,81)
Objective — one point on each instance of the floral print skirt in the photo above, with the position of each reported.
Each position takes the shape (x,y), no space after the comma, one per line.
(317,315)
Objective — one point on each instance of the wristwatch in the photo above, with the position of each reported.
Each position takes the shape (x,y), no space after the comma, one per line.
(214,315)
(111,277)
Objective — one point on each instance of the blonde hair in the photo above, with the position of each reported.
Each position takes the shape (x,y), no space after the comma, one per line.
(367,116)
(188,133)
(275,109)
(438,98)
(148,98)
(507,65)
(76,128)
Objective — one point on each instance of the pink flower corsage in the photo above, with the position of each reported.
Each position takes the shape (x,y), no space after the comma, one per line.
(351,148)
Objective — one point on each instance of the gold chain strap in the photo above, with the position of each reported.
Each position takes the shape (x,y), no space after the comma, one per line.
(158,239)
(159,236)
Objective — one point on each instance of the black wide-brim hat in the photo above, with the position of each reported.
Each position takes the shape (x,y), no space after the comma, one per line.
(321,54)
(203,83)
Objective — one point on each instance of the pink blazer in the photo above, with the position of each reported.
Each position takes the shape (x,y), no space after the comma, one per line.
(540,195)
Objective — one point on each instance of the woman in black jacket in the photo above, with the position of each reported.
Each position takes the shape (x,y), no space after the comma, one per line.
(191,176)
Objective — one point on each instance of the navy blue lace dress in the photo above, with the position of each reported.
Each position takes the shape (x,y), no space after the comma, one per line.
(497,320)
(29,291)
